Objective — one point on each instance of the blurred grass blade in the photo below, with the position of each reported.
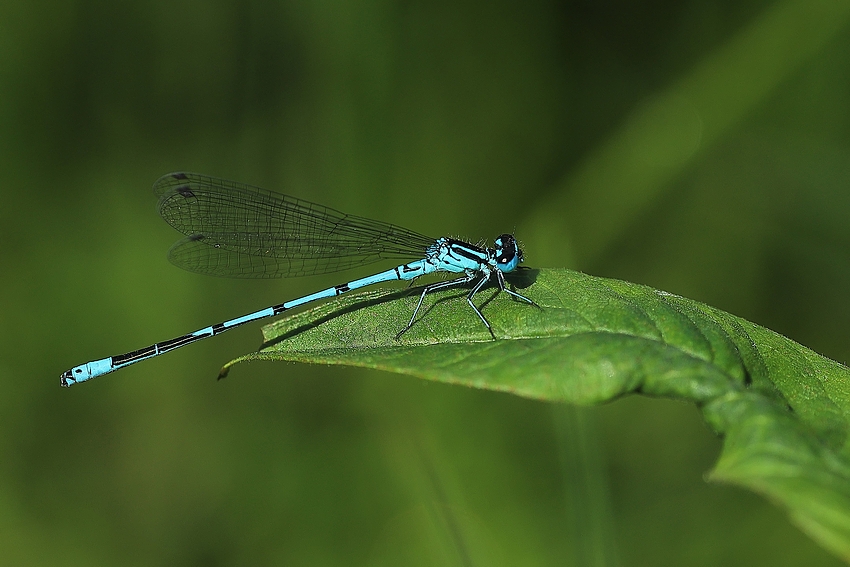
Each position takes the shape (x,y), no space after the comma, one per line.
(665,134)
(781,407)
(587,490)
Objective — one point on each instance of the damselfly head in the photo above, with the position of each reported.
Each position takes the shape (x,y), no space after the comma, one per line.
(507,253)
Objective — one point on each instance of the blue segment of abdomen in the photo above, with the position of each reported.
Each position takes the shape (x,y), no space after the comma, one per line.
(91,369)
(240,320)
(403,272)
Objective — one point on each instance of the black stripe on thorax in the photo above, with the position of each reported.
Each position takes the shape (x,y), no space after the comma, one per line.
(341,288)
(468,251)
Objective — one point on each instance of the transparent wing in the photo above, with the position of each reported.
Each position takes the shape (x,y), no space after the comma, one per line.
(238,230)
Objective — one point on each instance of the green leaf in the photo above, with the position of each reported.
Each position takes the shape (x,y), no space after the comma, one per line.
(782,408)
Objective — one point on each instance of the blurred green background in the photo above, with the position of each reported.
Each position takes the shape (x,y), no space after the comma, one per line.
(698,147)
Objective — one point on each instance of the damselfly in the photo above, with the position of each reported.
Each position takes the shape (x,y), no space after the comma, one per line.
(238,230)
